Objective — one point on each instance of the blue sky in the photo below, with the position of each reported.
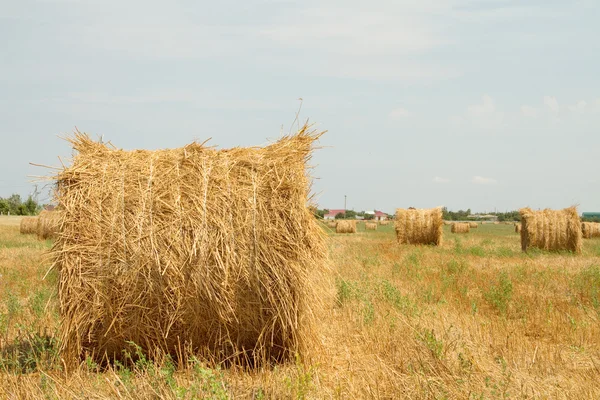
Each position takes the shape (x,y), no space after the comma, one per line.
(484,104)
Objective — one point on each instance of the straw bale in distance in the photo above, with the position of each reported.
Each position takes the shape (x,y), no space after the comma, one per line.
(371,226)
(346,226)
(518,228)
(473,225)
(551,229)
(332,224)
(384,222)
(590,229)
(211,250)
(460,227)
(48,224)
(28,225)
(419,226)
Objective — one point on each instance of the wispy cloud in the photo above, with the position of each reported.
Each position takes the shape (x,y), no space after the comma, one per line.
(438,179)
(529,111)
(480,180)
(399,113)
(551,103)
(482,115)
(578,108)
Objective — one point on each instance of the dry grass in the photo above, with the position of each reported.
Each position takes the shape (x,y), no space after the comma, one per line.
(419,226)
(371,226)
(345,226)
(28,225)
(472,318)
(460,227)
(180,251)
(590,230)
(551,229)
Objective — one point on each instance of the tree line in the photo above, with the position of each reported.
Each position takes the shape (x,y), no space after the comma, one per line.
(14,205)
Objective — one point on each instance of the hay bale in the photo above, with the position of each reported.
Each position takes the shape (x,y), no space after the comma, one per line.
(496,223)
(460,227)
(194,249)
(371,226)
(346,226)
(28,225)
(473,225)
(48,225)
(518,228)
(447,222)
(590,230)
(332,224)
(384,222)
(419,226)
(551,229)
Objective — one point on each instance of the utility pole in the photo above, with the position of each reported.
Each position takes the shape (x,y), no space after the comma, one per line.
(345,203)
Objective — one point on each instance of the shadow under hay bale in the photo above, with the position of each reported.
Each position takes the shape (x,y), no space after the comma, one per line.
(194,248)
(551,230)
(28,225)
(590,230)
(345,226)
(460,227)
(419,226)
(371,226)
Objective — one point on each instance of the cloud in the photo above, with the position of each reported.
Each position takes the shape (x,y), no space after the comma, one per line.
(399,113)
(486,107)
(481,116)
(480,180)
(551,103)
(529,111)
(438,179)
(578,108)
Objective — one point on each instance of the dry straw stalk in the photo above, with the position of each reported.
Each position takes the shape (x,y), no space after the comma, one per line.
(460,227)
(371,226)
(214,251)
(28,225)
(551,229)
(590,229)
(346,226)
(419,226)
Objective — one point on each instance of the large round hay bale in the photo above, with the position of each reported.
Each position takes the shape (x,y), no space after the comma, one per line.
(346,226)
(419,226)
(213,251)
(371,226)
(551,229)
(473,225)
(28,225)
(460,227)
(48,225)
(590,229)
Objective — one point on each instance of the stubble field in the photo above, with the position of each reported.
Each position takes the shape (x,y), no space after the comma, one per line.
(472,319)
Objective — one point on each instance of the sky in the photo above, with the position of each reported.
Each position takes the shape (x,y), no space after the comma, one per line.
(486,104)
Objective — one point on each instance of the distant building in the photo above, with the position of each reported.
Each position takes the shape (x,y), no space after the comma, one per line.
(377,215)
(332,213)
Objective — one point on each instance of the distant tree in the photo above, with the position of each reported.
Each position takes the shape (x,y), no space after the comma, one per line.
(31,207)
(350,214)
(4,209)
(340,216)
(369,217)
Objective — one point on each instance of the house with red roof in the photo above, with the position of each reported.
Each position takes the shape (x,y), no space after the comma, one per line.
(332,213)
